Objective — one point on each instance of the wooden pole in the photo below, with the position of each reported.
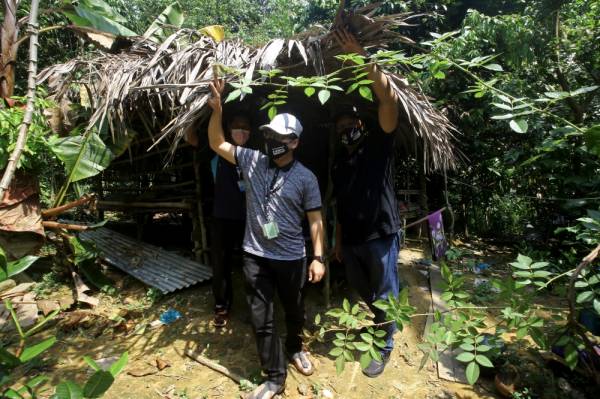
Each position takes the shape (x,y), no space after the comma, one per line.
(203,242)
(214,366)
(13,160)
(448,206)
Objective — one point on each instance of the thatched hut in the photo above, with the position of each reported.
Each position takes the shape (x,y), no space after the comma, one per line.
(160,90)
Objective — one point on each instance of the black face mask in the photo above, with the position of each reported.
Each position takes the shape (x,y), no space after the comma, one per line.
(352,135)
(275,149)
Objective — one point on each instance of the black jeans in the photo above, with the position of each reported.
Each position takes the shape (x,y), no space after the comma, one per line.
(264,277)
(227,235)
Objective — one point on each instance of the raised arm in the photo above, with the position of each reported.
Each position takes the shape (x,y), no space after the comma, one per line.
(216,136)
(316,269)
(387,108)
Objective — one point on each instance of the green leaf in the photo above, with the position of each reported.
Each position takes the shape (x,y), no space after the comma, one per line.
(172,15)
(585,296)
(318,319)
(119,365)
(503,106)
(472,373)
(68,390)
(365,360)
(19,265)
(483,348)
(84,156)
(324,95)
(272,112)
(500,117)
(362,346)
(8,359)
(365,92)
(571,356)
(337,351)
(467,347)
(484,361)
(368,338)
(35,350)
(233,95)
(465,357)
(92,18)
(493,67)
(339,364)
(556,94)
(309,91)
(597,305)
(98,384)
(524,260)
(519,125)
(583,90)
(439,75)
(380,333)
(92,363)
(346,305)
(592,139)
(539,265)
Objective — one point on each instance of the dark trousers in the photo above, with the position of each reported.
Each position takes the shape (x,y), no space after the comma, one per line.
(227,235)
(371,269)
(265,277)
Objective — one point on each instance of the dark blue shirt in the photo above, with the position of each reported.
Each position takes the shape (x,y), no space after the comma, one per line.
(364,189)
(230,198)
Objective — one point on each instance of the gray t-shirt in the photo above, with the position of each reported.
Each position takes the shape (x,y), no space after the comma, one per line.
(293,191)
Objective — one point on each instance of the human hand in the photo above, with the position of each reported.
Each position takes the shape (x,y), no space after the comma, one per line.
(217,86)
(316,271)
(348,42)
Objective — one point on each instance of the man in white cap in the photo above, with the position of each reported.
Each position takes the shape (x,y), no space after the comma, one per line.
(280,191)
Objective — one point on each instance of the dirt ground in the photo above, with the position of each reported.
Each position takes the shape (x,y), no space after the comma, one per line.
(93,334)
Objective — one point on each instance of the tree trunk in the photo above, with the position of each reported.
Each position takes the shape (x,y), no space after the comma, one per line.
(9,47)
(13,160)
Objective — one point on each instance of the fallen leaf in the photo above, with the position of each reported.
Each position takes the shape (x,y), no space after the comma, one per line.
(47,307)
(161,364)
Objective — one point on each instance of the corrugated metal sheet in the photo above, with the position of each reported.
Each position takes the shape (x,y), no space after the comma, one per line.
(151,265)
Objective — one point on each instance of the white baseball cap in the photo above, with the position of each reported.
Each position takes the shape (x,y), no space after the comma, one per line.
(284,124)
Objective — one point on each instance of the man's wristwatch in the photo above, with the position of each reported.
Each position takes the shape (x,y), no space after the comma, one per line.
(320,258)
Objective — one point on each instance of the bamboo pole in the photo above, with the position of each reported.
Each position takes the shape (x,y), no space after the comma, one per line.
(56,225)
(31,85)
(146,205)
(61,209)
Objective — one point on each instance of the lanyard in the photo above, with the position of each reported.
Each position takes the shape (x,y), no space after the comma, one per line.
(271,189)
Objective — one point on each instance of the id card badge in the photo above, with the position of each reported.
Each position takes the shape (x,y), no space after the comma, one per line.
(270,230)
(241,186)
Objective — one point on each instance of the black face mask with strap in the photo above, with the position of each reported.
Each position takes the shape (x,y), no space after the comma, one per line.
(275,149)
(352,135)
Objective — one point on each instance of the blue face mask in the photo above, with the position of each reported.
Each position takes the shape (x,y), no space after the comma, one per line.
(275,149)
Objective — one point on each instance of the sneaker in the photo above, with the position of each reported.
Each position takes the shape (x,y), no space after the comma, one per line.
(376,367)
(221,318)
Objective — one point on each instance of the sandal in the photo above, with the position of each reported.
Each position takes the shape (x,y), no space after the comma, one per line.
(267,390)
(221,318)
(302,363)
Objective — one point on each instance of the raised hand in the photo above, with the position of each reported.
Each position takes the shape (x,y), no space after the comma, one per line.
(348,42)
(216,89)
